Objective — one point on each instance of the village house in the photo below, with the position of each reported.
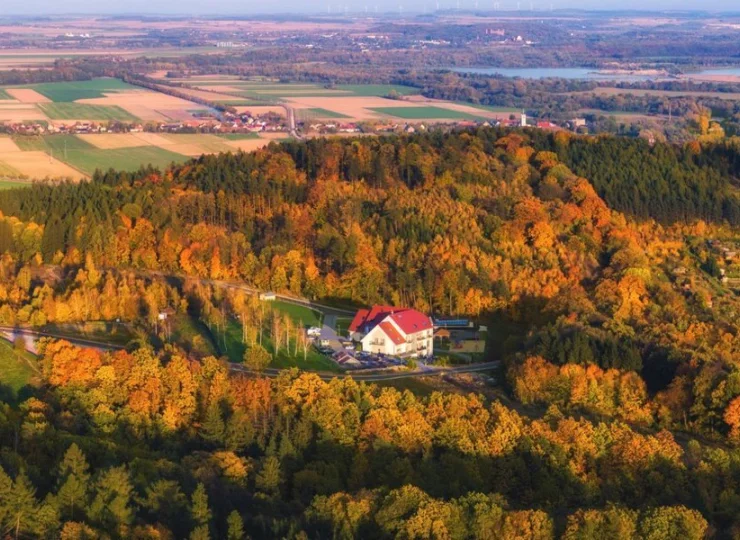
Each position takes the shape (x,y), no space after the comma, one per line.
(393,331)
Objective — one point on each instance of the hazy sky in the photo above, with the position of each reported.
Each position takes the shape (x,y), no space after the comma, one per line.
(306,6)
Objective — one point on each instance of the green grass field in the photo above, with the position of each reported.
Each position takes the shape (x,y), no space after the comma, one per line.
(80,111)
(490,108)
(15,370)
(122,159)
(209,143)
(378,90)
(60,92)
(4,95)
(308,316)
(56,144)
(230,345)
(237,136)
(10,184)
(424,113)
(318,112)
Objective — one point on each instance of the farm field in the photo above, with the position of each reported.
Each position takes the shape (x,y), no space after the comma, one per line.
(103,99)
(318,112)
(64,92)
(424,112)
(80,111)
(378,90)
(78,156)
(122,159)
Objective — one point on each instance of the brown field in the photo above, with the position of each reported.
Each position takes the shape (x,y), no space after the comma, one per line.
(249,145)
(261,109)
(113,141)
(8,145)
(153,139)
(144,104)
(18,112)
(27,95)
(39,165)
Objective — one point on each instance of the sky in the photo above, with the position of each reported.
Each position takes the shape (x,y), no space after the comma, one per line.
(219,7)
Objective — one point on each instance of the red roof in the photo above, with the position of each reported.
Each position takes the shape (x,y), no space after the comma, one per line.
(411,321)
(391,332)
(408,320)
(364,320)
(360,318)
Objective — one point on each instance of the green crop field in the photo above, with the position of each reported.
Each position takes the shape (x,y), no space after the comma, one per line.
(378,90)
(80,111)
(16,370)
(424,113)
(237,136)
(209,143)
(56,144)
(122,159)
(318,112)
(490,108)
(61,92)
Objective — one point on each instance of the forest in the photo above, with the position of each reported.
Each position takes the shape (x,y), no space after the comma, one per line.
(596,262)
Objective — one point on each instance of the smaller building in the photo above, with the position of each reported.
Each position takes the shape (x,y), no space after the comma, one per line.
(268,296)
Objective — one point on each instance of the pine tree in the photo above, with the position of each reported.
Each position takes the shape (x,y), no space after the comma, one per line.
(21,507)
(73,482)
(269,478)
(111,507)
(235,526)
(199,509)
(213,429)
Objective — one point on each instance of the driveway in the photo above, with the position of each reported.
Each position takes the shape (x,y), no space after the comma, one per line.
(329,333)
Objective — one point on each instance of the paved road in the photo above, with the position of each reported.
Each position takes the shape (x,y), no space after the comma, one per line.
(375,377)
(11,332)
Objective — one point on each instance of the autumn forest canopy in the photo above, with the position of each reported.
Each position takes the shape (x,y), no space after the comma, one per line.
(604,268)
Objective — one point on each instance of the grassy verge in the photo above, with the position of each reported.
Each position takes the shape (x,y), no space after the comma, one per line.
(16,372)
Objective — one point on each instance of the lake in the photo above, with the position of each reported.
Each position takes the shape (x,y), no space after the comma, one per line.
(581,73)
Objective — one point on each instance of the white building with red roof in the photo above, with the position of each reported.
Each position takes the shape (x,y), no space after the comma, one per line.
(393,331)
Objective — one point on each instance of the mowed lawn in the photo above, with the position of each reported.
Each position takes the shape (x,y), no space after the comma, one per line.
(15,370)
(62,92)
(424,113)
(81,111)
